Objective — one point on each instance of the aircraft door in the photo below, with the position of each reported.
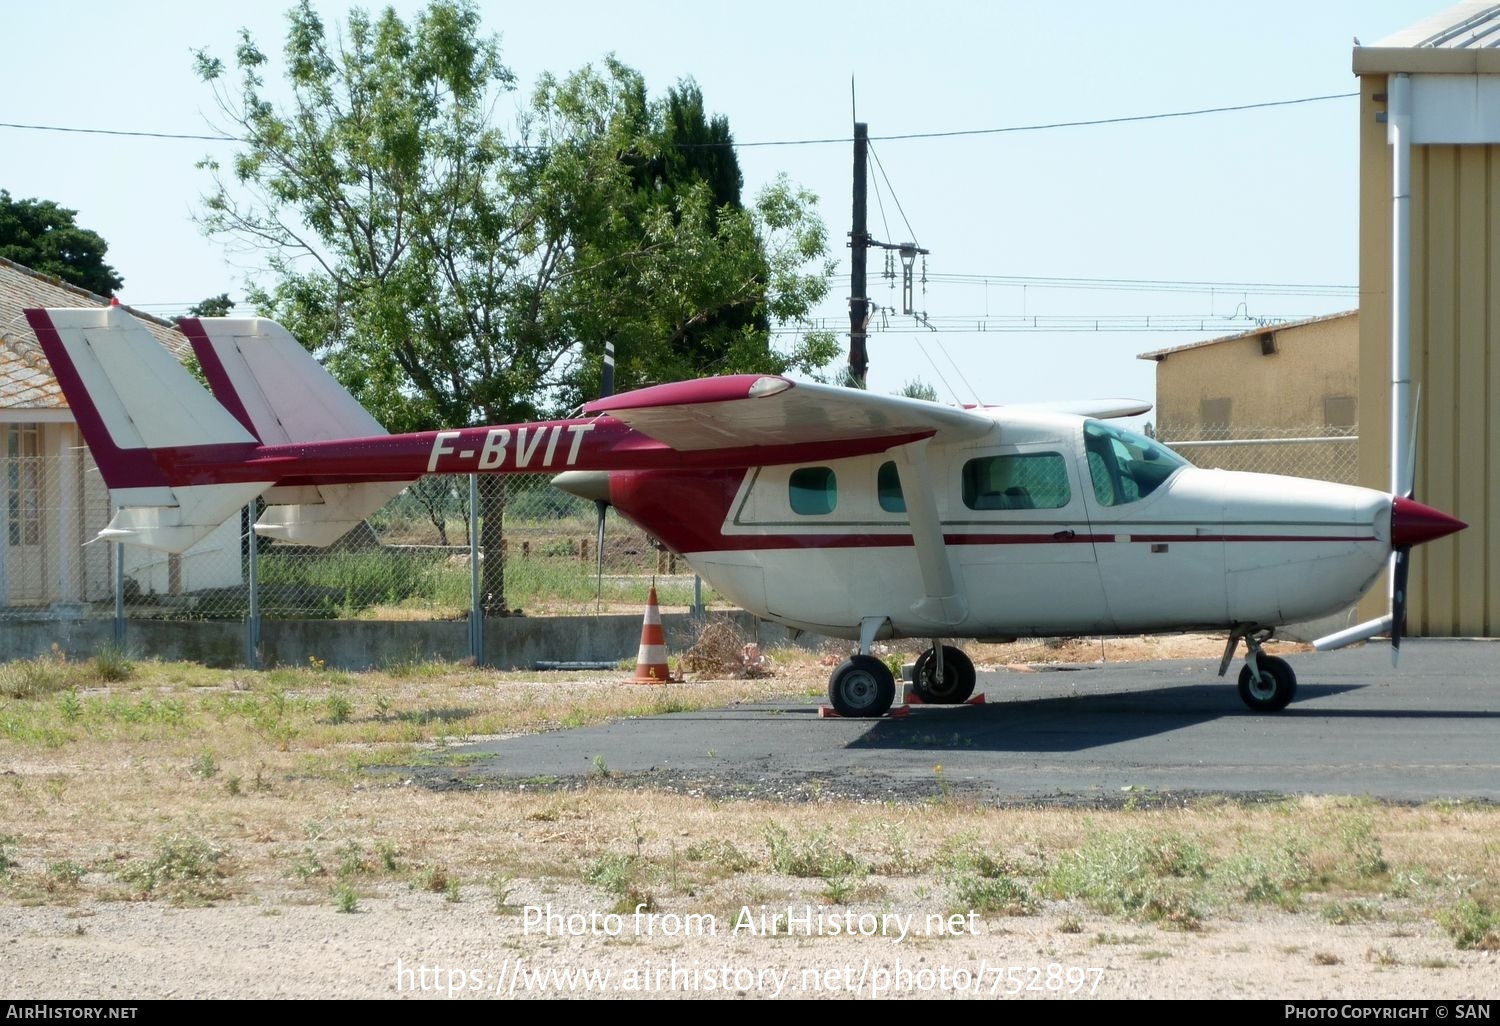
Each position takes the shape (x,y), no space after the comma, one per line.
(1020,529)
(1160,553)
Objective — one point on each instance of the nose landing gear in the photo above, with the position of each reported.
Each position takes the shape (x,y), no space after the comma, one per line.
(1267,683)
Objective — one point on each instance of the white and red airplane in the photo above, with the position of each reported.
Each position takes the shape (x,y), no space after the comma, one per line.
(830,510)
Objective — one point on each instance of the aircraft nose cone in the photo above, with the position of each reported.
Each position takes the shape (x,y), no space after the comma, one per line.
(1413,523)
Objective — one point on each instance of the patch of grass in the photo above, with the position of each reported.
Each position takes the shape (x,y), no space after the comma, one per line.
(1326,958)
(1136,875)
(432,877)
(307,864)
(719,853)
(993,895)
(625,877)
(35,678)
(7,853)
(386,852)
(69,707)
(836,889)
(1363,858)
(184,868)
(813,855)
(112,664)
(1472,924)
(64,874)
(500,885)
(345,898)
(1347,913)
(1274,875)
(339,708)
(204,765)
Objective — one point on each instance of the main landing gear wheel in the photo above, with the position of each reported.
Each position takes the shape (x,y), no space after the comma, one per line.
(862,687)
(1274,690)
(958,677)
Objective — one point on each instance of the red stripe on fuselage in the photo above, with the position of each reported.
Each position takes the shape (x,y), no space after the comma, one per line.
(687,511)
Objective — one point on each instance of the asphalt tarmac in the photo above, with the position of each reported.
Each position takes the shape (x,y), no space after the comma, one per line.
(1096,734)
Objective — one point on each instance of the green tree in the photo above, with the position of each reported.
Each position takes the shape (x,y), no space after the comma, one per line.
(916,388)
(450,271)
(214,306)
(44,237)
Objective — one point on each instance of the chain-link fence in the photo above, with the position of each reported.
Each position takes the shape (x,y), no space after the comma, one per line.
(414,559)
(1323,453)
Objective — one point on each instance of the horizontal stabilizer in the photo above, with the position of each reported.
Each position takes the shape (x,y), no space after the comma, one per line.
(343,508)
(200,510)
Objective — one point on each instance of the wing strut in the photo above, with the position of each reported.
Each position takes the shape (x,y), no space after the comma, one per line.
(942,604)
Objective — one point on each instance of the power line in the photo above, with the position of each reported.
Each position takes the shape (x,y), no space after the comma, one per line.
(1145,285)
(121,131)
(840,140)
(1054,323)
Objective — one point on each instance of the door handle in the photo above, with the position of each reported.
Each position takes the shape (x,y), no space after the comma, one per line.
(1064,536)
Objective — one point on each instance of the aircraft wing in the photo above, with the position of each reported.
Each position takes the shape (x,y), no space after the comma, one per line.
(765,410)
(1104,409)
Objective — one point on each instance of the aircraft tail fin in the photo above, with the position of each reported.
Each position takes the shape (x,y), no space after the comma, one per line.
(281,394)
(143,415)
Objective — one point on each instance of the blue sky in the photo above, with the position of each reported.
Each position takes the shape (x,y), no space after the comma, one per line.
(1258,196)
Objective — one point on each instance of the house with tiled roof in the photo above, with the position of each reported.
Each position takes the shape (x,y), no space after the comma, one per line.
(52,500)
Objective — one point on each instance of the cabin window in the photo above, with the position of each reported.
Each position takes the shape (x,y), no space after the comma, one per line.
(1125,467)
(813,491)
(1033,480)
(888,486)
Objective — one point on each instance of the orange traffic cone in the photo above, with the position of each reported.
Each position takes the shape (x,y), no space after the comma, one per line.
(651,664)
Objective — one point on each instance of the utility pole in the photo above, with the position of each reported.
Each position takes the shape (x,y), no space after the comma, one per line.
(859,246)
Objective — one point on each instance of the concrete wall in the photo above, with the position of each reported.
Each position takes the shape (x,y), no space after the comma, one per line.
(510,642)
(1286,389)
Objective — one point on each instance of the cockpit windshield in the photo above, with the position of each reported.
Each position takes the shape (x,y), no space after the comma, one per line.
(1126,466)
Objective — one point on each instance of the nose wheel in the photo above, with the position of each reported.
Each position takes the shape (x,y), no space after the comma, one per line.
(1267,684)
(862,687)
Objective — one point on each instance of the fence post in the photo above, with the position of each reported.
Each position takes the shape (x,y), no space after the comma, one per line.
(252,617)
(476,607)
(698,612)
(119,575)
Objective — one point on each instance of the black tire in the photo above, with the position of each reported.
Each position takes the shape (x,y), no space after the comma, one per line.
(862,688)
(1277,687)
(958,677)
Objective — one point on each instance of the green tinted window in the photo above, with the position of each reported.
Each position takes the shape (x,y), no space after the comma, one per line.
(814,491)
(1125,466)
(888,484)
(1033,480)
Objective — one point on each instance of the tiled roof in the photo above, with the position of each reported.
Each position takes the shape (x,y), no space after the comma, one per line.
(26,381)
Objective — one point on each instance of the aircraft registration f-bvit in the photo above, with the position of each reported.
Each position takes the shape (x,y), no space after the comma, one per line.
(830,510)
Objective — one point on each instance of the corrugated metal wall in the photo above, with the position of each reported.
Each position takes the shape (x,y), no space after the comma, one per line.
(1455,589)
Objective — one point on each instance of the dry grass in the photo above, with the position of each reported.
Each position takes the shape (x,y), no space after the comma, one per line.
(187,784)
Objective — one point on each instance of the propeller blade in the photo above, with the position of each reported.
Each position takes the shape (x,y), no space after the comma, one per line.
(1398,601)
(1409,486)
